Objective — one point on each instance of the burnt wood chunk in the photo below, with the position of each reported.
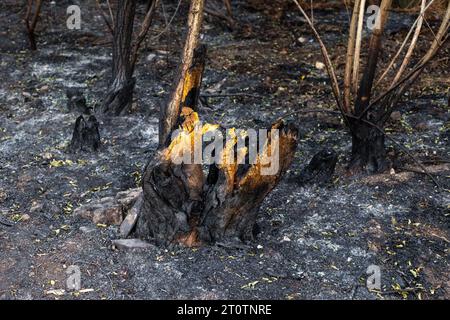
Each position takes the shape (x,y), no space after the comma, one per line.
(119,96)
(320,169)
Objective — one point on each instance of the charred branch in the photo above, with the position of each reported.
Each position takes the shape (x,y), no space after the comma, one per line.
(181,205)
(226,16)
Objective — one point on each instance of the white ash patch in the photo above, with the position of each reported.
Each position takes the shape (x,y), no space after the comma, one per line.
(324,244)
(380,209)
(359,252)
(150,132)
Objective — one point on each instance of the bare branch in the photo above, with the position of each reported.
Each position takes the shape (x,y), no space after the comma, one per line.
(220,15)
(227,4)
(408,54)
(36,14)
(32,26)
(441,36)
(170,21)
(365,89)
(405,41)
(110,12)
(327,60)
(416,71)
(105,19)
(350,56)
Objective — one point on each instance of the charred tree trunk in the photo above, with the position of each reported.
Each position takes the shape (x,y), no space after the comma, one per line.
(368,149)
(216,12)
(32,40)
(120,91)
(182,205)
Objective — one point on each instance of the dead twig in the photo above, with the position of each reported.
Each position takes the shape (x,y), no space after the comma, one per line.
(412,45)
(219,15)
(169,23)
(401,85)
(391,64)
(415,71)
(4,222)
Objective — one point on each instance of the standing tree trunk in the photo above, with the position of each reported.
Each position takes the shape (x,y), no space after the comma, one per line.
(120,91)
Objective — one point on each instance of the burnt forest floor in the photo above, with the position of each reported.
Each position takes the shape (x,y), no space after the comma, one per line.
(316,242)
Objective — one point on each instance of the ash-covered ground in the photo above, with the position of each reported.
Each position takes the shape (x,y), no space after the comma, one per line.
(316,242)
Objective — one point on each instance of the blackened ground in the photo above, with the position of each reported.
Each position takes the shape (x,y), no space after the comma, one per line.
(315,242)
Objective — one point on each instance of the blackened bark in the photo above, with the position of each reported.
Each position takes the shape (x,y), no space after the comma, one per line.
(32,40)
(120,92)
(170,201)
(77,102)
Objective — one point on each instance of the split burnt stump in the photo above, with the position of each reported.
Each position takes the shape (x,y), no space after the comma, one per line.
(196,200)
(189,204)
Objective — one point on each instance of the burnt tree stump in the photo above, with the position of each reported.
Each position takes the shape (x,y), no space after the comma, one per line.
(181,205)
(86,135)
(120,92)
(196,202)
